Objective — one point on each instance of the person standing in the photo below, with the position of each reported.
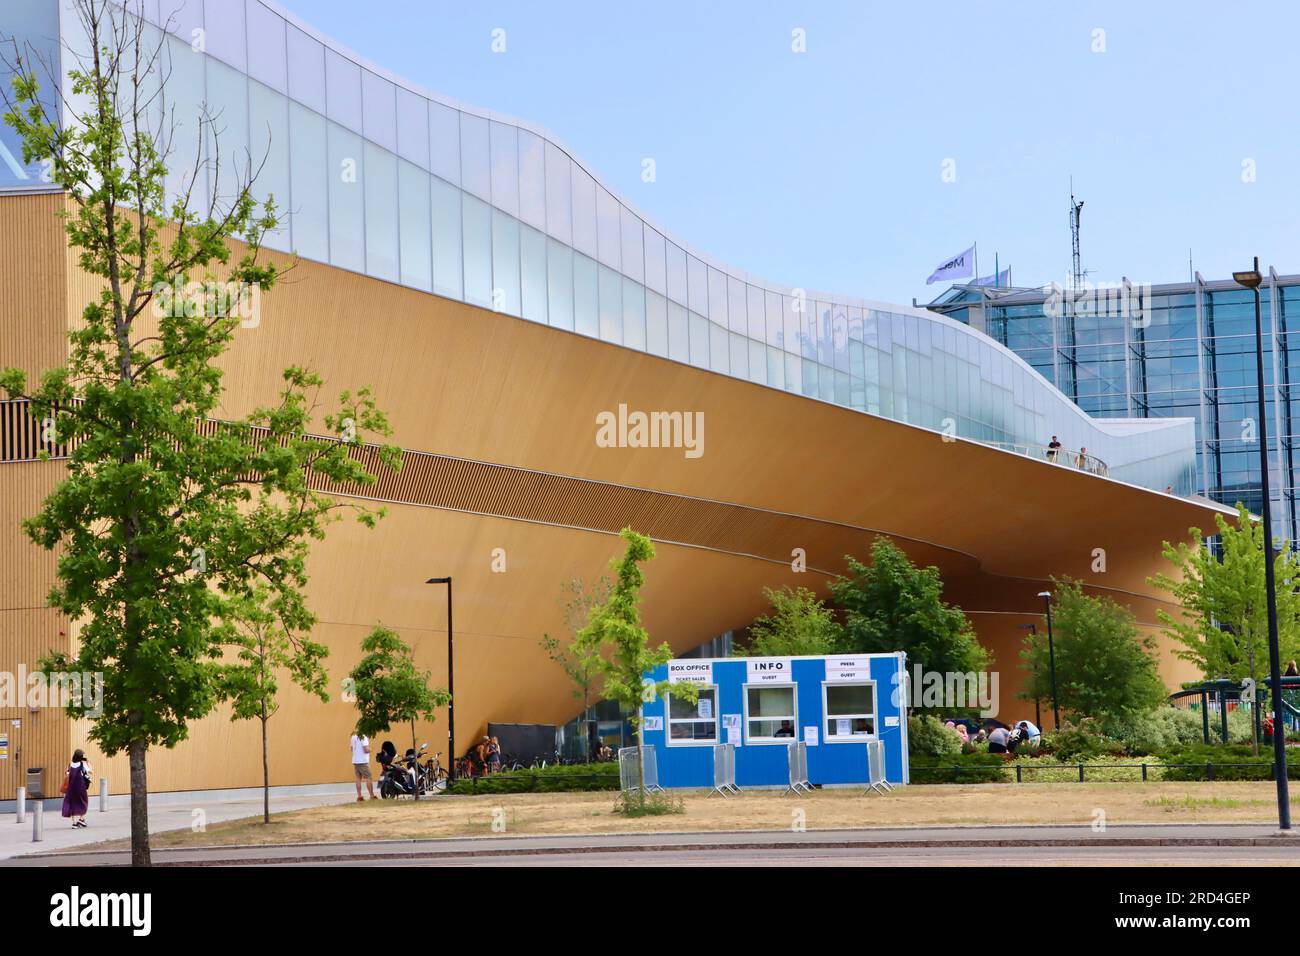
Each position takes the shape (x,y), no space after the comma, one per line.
(1053,449)
(361,765)
(76,790)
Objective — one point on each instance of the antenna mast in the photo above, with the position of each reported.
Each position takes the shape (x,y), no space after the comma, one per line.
(1076,266)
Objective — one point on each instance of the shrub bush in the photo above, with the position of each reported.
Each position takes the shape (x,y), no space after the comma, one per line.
(1107,768)
(1081,739)
(653,805)
(1190,763)
(928,737)
(1154,731)
(558,779)
(958,768)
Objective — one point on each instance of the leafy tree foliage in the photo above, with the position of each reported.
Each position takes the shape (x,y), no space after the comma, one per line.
(389,688)
(1223,627)
(1105,665)
(266,649)
(617,645)
(578,602)
(166,524)
(892,605)
(800,623)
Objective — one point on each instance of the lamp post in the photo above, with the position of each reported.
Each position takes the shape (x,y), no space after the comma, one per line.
(1051,659)
(1038,711)
(451,686)
(1252,279)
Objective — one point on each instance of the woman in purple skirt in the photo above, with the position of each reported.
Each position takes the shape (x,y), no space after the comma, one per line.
(76,798)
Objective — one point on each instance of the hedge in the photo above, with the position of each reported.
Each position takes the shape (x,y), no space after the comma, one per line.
(575,778)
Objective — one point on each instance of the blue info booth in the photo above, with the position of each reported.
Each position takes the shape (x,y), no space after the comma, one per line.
(838,707)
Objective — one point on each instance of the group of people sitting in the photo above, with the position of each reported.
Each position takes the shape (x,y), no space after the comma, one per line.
(999,738)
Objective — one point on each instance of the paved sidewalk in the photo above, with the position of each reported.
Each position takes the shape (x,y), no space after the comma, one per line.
(167,811)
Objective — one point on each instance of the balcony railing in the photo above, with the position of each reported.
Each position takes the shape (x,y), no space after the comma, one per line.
(1066,457)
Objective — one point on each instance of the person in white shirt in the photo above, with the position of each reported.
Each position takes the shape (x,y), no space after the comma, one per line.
(361,765)
(1029,731)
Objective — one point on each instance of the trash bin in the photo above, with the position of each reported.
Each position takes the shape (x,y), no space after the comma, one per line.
(35,782)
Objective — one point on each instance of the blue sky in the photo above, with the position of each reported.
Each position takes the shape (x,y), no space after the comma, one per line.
(824,169)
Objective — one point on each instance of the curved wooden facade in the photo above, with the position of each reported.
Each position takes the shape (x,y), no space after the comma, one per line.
(500,417)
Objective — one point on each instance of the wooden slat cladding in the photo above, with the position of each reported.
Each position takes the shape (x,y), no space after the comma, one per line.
(33,284)
(477,487)
(28,629)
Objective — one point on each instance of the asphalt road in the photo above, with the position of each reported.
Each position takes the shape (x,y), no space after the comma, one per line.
(857,857)
(1141,845)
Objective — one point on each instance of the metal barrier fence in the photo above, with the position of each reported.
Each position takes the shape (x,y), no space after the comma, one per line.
(797,758)
(876,767)
(628,777)
(724,770)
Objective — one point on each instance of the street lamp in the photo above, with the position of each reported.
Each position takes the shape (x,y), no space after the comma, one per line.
(451,687)
(1038,712)
(1051,659)
(1252,279)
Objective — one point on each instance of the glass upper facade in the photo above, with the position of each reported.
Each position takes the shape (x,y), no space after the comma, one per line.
(379,176)
(1191,354)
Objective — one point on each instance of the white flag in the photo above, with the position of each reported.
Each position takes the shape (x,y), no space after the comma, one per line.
(958,267)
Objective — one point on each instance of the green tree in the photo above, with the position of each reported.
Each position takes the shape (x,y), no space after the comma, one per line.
(267,647)
(389,688)
(577,603)
(800,623)
(1105,666)
(616,625)
(892,605)
(1223,628)
(164,529)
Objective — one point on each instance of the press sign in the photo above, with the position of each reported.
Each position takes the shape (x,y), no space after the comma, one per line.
(848,669)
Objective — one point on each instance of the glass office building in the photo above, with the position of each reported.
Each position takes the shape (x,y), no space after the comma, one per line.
(1188,351)
(379,176)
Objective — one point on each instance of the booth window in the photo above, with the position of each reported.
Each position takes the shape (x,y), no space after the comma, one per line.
(770,712)
(850,711)
(693,722)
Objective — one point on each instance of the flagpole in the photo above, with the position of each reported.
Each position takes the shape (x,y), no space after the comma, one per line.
(977,263)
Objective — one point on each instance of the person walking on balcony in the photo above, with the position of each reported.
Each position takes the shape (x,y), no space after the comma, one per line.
(1053,449)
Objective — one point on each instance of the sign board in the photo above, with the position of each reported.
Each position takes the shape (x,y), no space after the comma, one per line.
(891,721)
(810,736)
(690,672)
(653,723)
(733,736)
(768,670)
(4,746)
(843,727)
(704,708)
(850,668)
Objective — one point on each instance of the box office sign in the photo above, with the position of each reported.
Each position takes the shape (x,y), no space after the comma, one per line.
(768,670)
(690,672)
(852,668)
